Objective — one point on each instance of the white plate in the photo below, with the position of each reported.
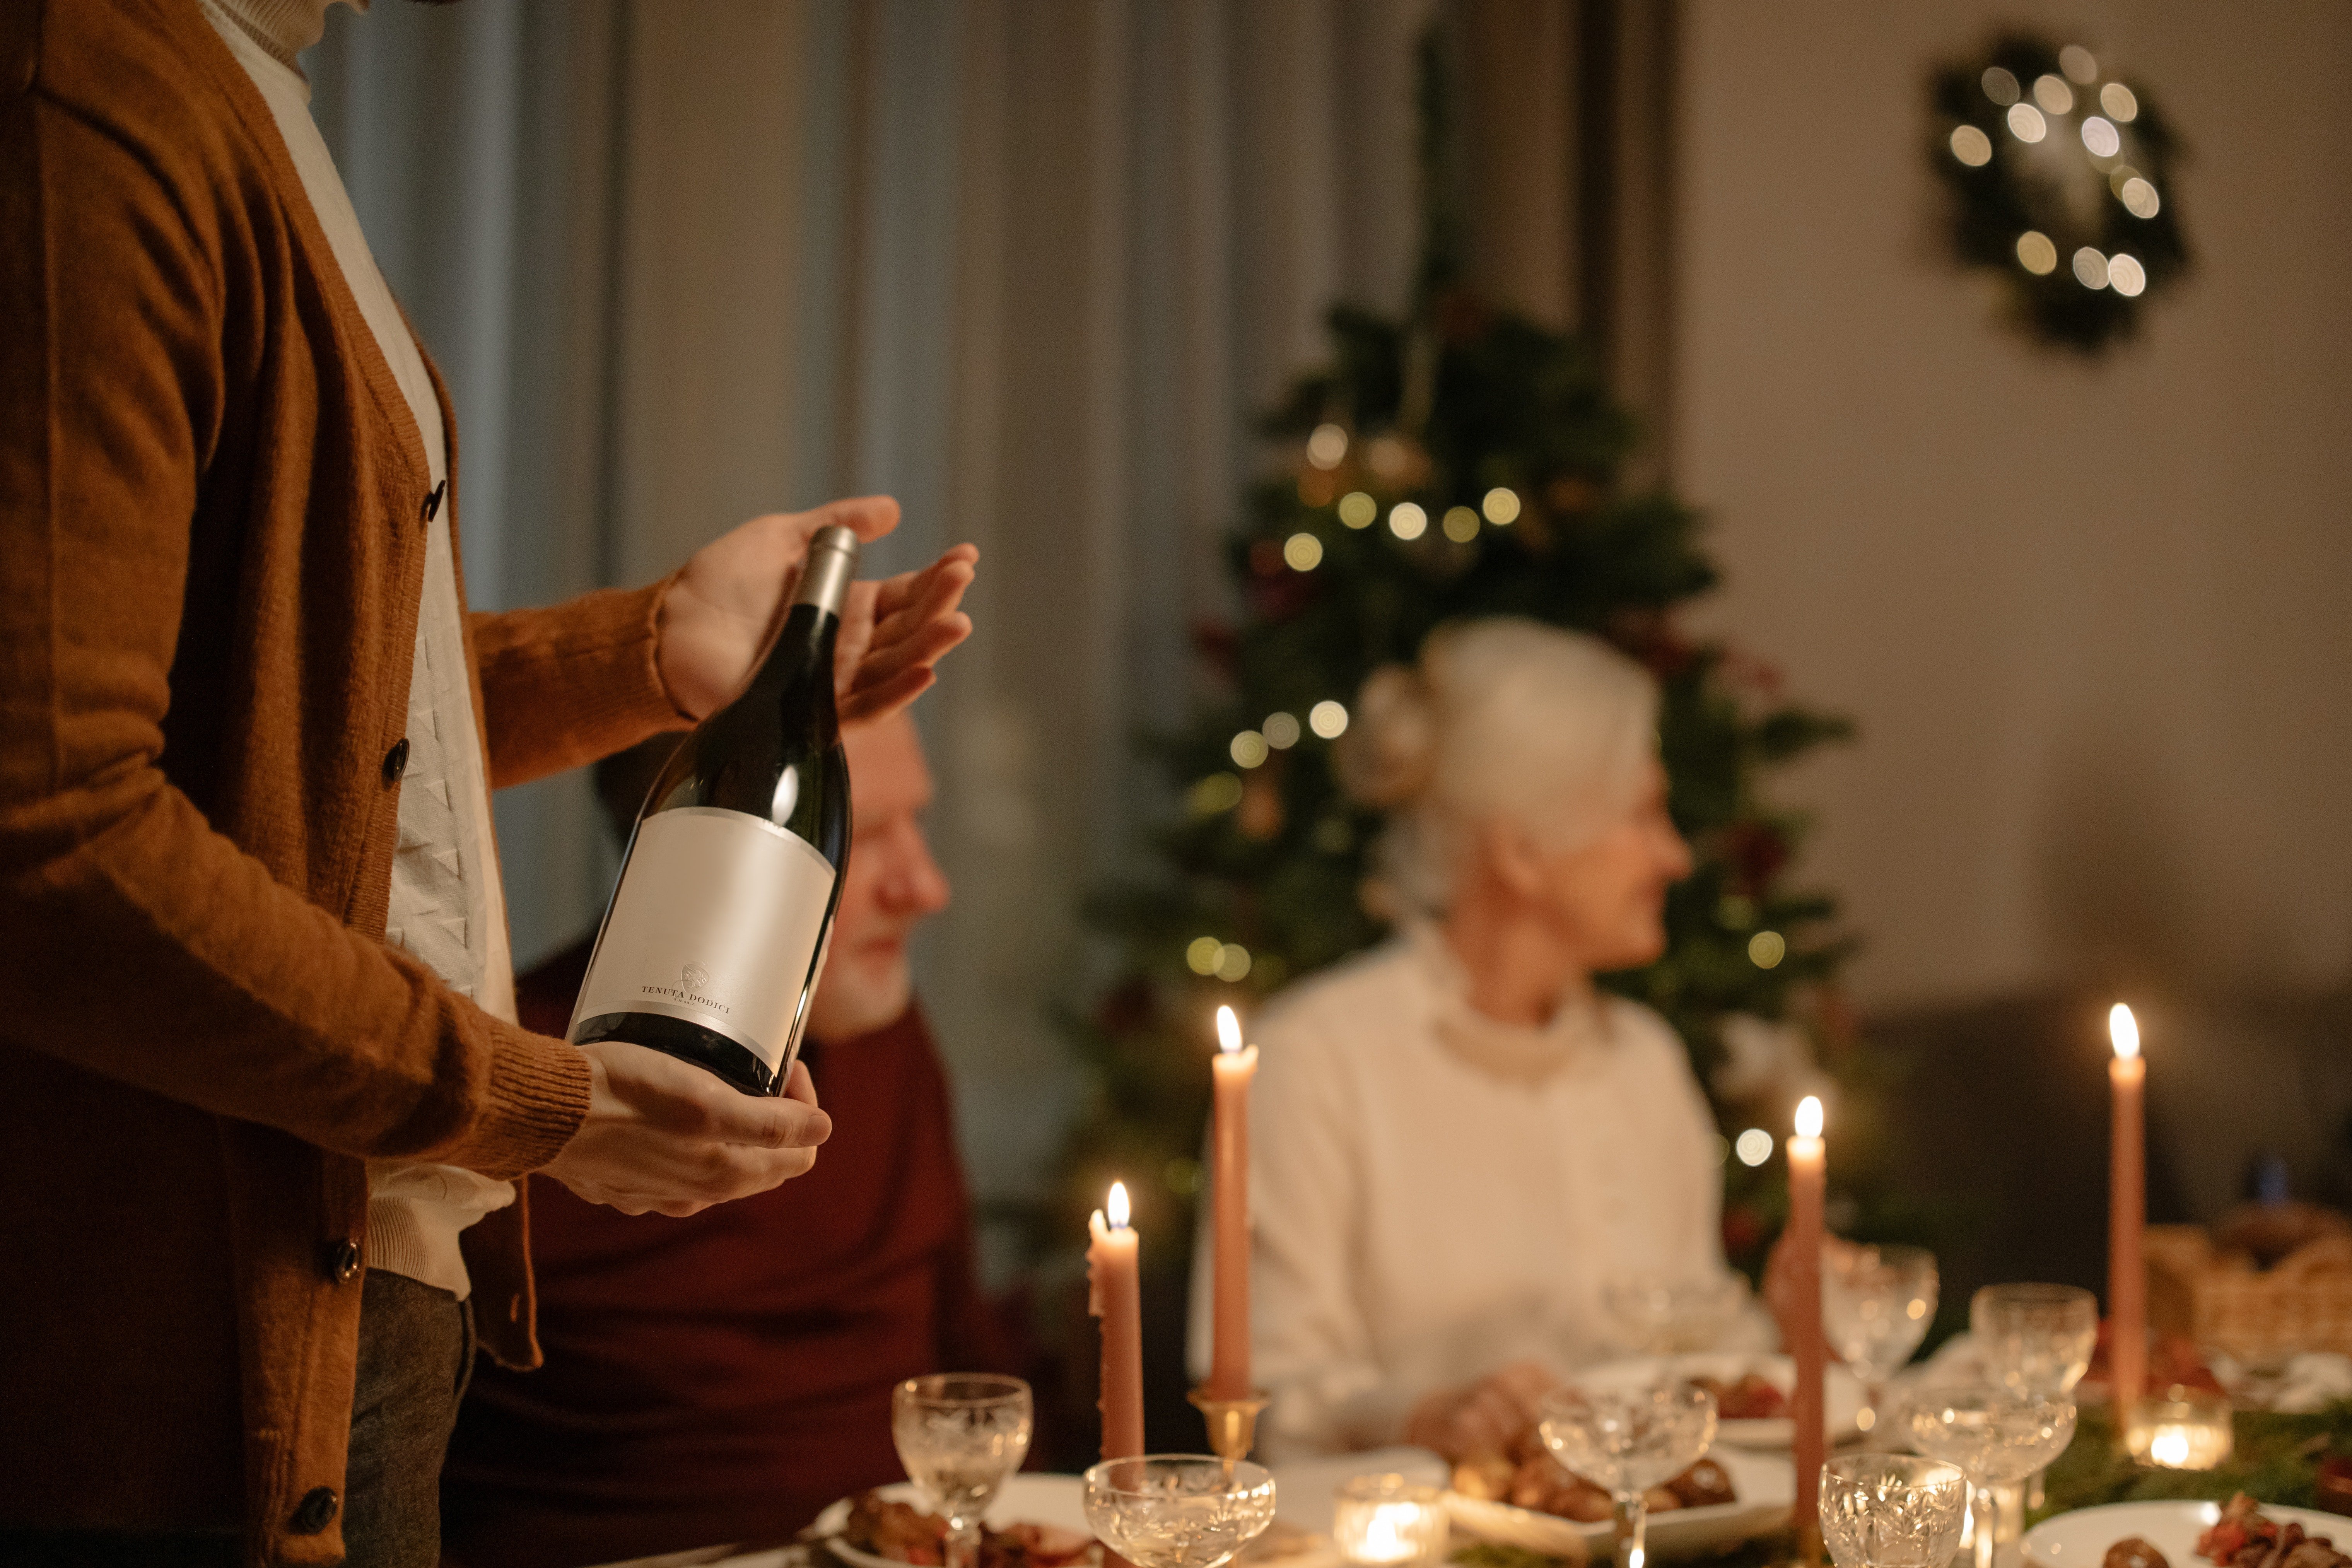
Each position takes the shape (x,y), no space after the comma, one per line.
(2081,1539)
(1842,1391)
(1767,1489)
(1026,1497)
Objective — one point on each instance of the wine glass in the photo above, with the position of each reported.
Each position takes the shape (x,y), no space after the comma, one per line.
(1668,1317)
(1891,1510)
(1178,1510)
(1626,1441)
(960,1433)
(2034,1339)
(1876,1305)
(1997,1436)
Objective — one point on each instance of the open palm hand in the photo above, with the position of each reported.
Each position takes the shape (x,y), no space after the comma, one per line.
(725,604)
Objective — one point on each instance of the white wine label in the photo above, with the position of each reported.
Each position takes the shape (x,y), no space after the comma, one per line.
(715,922)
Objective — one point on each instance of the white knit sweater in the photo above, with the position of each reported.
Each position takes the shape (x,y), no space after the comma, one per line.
(1435,1195)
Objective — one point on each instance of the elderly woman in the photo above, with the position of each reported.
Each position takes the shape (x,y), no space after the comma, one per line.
(1458,1142)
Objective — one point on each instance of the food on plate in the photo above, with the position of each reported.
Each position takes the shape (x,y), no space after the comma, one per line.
(2245,1537)
(1703,1485)
(2134,1552)
(1749,1397)
(1528,1477)
(904,1533)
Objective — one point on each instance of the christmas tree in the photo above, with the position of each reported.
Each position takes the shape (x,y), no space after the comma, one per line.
(1461,462)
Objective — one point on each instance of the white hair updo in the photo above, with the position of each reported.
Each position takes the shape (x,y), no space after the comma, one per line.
(1506,717)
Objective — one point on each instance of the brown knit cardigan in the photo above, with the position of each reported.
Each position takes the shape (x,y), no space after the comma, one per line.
(212,550)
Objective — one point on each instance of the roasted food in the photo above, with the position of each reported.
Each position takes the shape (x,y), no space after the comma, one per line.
(1528,1477)
(1749,1397)
(2245,1537)
(2134,1552)
(904,1533)
(1703,1485)
(898,1530)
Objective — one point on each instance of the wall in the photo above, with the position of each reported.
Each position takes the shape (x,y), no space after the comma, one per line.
(2092,617)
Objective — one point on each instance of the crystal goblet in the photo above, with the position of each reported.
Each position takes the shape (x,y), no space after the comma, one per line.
(2034,1339)
(1626,1441)
(960,1433)
(1876,1305)
(1178,1510)
(1670,1317)
(1891,1510)
(1998,1436)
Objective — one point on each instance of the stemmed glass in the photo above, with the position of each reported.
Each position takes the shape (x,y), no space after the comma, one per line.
(1662,1317)
(1178,1510)
(1891,1510)
(1876,1305)
(960,1433)
(2034,1339)
(1998,1436)
(1627,1441)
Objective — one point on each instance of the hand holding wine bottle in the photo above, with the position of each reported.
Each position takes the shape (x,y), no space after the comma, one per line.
(725,604)
(662,1137)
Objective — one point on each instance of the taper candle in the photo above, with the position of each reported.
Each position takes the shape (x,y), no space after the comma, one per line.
(2126,1216)
(1115,1295)
(1229,1364)
(1808,1179)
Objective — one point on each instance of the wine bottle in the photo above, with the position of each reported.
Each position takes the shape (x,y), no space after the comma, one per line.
(716,932)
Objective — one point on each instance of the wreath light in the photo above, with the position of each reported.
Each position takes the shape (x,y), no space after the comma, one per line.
(2061,175)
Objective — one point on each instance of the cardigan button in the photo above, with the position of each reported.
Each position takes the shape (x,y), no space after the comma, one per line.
(315,1512)
(433,502)
(343,1261)
(395,761)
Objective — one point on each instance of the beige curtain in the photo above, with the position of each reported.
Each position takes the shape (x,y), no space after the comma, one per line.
(1030,264)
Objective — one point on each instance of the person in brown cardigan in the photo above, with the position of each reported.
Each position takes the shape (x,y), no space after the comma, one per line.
(218,512)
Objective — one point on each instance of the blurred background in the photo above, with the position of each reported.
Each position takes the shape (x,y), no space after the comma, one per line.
(1038,267)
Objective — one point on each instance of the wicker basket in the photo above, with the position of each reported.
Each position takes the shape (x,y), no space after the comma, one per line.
(2221,1300)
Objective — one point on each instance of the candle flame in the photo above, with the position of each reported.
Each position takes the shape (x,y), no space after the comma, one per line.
(1809,1117)
(2124,1030)
(1117,1208)
(1229,1031)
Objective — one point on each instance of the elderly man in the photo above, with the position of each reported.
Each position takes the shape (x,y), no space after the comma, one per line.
(722,1378)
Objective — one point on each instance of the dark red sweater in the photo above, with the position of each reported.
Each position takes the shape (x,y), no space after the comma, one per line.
(722,1378)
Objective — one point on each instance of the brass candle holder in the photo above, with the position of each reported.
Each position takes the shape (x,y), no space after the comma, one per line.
(1233,1422)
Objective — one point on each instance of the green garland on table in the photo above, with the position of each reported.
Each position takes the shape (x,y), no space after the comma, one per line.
(2276,1460)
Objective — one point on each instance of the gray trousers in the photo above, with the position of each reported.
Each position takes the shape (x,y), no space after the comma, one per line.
(416,1354)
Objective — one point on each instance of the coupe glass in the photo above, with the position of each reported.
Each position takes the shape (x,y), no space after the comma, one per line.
(960,1433)
(1876,1305)
(1663,1317)
(2034,1339)
(1891,1510)
(1178,1510)
(1627,1441)
(1998,1436)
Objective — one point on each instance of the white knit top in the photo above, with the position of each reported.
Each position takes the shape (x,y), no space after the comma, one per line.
(447,909)
(1435,1195)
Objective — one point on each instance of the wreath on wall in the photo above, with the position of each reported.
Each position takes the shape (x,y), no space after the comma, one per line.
(2061,177)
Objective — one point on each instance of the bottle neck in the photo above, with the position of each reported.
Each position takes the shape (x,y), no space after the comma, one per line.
(803,650)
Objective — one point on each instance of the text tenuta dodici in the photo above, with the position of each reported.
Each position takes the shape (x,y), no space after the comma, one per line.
(676,993)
